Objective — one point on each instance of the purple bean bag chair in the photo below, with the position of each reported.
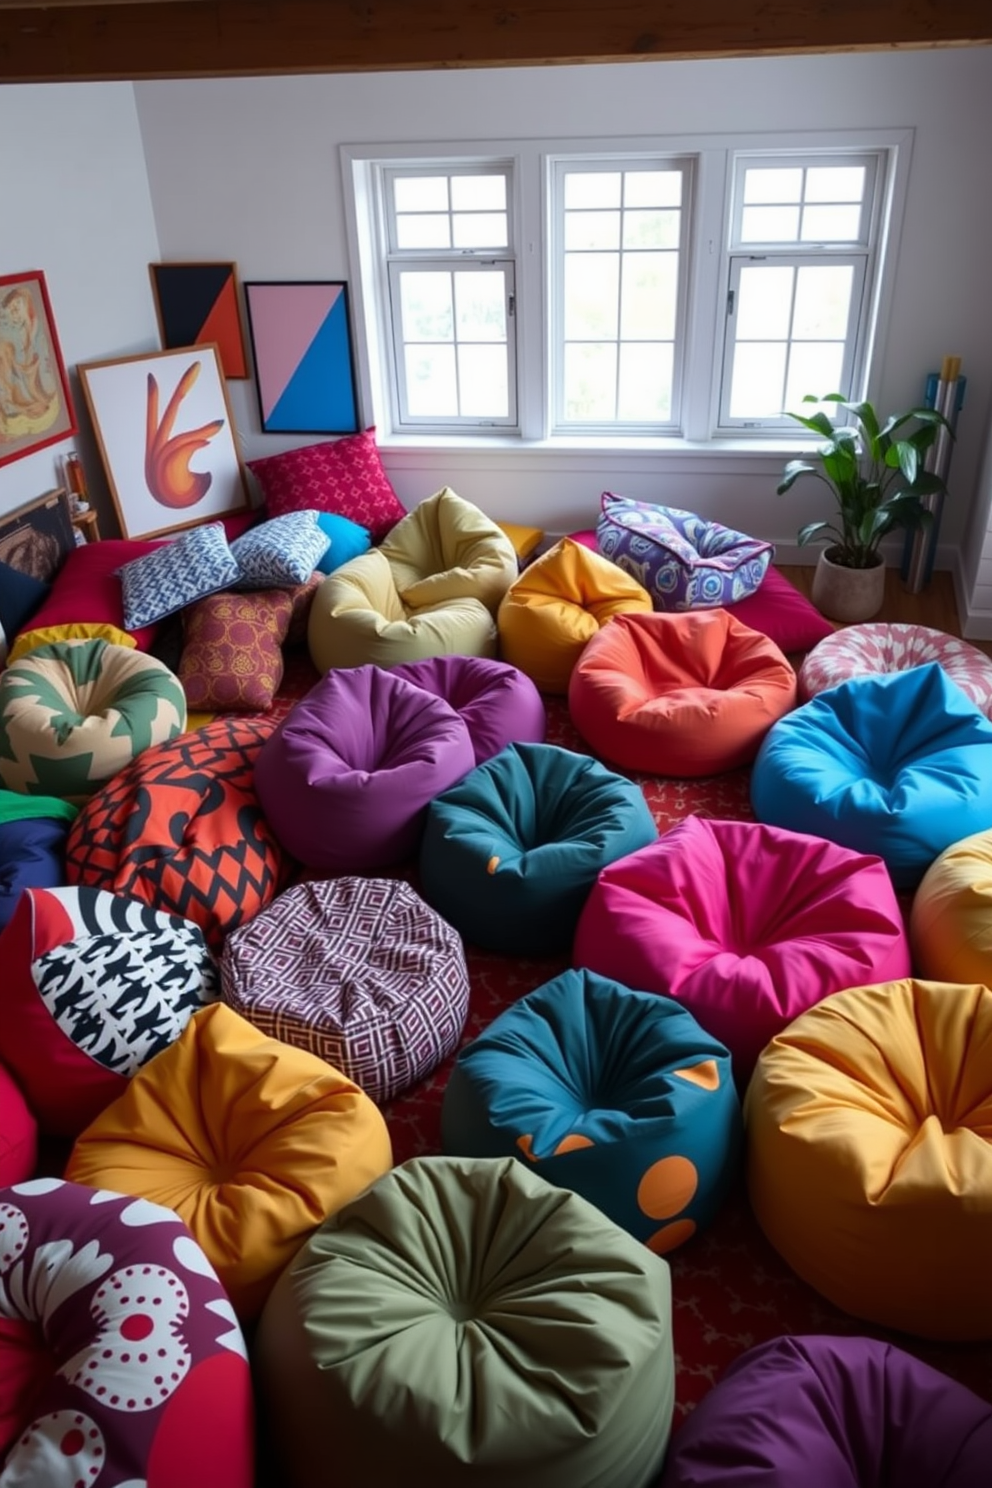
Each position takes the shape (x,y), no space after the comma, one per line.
(499,703)
(833,1413)
(346,779)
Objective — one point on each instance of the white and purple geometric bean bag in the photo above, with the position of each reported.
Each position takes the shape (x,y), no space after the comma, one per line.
(499,703)
(879,648)
(122,1364)
(359,971)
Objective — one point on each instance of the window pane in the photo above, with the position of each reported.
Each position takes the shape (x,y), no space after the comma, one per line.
(649,297)
(769,224)
(591,294)
(482,381)
(764,303)
(584,230)
(479,193)
(758,380)
(423,232)
(651,229)
(835,183)
(814,367)
(645,394)
(784,184)
(480,306)
(590,382)
(431,390)
(823,302)
(652,188)
(592,189)
(426,306)
(831,224)
(420,193)
(480,230)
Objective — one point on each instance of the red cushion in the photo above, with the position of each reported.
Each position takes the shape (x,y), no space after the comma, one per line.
(87,588)
(340,475)
(783,614)
(18,1133)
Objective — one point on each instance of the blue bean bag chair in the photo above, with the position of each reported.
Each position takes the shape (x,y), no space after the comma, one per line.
(32,845)
(899,765)
(616,1094)
(510,853)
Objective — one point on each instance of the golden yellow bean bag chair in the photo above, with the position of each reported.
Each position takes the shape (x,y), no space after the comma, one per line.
(431,589)
(251,1141)
(869,1133)
(950,924)
(558,603)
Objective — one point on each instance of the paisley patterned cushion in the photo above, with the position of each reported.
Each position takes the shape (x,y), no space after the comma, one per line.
(232,655)
(873,650)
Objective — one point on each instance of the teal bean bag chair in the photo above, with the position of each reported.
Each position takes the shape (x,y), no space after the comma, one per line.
(509,854)
(617,1094)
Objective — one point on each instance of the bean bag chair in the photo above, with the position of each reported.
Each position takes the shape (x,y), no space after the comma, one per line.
(431,589)
(685,562)
(359,971)
(499,704)
(251,1141)
(880,648)
(950,921)
(836,1413)
(558,603)
(509,855)
(869,1153)
(18,1135)
(182,829)
(746,925)
(347,778)
(527,1338)
(121,1360)
(32,845)
(898,765)
(94,986)
(74,713)
(616,1094)
(679,695)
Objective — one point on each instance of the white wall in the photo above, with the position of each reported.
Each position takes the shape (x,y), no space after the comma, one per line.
(75,203)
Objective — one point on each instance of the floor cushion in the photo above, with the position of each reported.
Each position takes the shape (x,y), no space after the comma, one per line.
(556,605)
(182,829)
(614,1093)
(32,845)
(74,713)
(251,1141)
(359,971)
(347,777)
(18,1135)
(898,765)
(681,695)
(684,561)
(464,1322)
(509,855)
(870,1158)
(783,613)
(122,1360)
(879,648)
(95,985)
(834,1412)
(950,922)
(499,704)
(746,925)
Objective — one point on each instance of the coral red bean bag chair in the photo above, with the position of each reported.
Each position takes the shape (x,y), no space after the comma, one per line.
(498,703)
(679,694)
(746,925)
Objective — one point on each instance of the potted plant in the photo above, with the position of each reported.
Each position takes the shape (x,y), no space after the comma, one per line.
(878,480)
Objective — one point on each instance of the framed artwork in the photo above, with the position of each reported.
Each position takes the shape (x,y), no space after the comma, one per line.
(304,368)
(196,305)
(35,404)
(36,538)
(166,436)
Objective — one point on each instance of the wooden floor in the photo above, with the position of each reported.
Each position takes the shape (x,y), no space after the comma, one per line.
(934,606)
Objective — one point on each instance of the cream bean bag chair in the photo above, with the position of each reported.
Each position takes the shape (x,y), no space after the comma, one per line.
(431,589)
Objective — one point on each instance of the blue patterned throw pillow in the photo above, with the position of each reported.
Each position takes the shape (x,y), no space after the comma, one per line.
(192,566)
(280,553)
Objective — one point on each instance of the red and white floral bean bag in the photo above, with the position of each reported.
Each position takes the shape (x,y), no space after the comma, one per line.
(879,648)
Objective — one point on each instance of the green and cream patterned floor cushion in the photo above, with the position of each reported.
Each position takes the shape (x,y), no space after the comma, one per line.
(73,713)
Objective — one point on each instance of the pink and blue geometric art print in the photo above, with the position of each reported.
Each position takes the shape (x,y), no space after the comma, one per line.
(301,343)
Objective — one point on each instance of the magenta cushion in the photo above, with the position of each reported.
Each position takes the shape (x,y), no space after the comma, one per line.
(337,475)
(345,781)
(499,704)
(783,614)
(747,925)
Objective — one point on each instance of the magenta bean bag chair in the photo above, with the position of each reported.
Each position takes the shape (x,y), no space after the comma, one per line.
(499,703)
(832,1413)
(345,781)
(747,925)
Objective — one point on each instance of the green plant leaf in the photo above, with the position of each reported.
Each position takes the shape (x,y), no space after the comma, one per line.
(819,423)
(813,530)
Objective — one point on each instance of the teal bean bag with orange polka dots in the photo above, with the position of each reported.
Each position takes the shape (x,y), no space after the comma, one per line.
(617,1094)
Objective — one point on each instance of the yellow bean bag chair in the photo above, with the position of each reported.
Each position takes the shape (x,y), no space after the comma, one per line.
(950,924)
(431,589)
(251,1141)
(869,1129)
(558,603)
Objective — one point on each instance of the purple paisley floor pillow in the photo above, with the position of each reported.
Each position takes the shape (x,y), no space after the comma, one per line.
(499,704)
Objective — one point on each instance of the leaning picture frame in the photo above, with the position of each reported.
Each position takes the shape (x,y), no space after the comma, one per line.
(196,304)
(36,539)
(35,403)
(304,363)
(165,431)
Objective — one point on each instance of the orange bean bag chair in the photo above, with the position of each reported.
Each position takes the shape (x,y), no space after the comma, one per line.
(558,603)
(679,694)
(252,1142)
(869,1136)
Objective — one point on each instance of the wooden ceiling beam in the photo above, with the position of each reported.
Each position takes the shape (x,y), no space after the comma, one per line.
(74,40)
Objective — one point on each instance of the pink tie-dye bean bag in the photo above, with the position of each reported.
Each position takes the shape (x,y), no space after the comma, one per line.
(745,924)
(877,649)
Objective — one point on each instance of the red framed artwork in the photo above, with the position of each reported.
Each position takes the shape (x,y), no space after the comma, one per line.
(35,403)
